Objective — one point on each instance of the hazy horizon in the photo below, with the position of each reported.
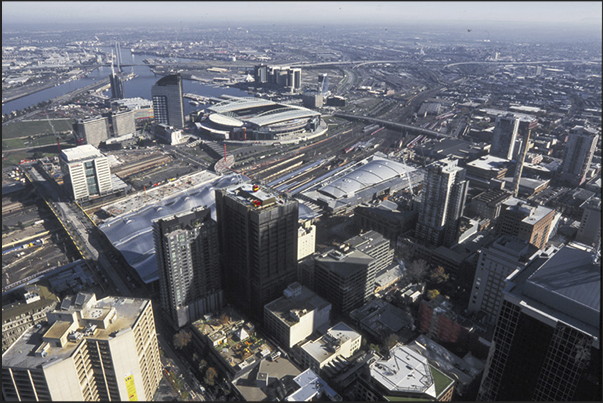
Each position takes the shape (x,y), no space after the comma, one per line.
(65,15)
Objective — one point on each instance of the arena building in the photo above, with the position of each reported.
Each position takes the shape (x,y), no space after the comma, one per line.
(244,119)
(362,182)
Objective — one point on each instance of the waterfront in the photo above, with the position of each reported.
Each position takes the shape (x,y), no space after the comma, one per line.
(139,86)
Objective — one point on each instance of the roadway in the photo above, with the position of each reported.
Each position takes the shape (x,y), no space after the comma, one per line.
(82,232)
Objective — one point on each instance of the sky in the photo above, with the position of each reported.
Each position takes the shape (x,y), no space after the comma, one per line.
(68,13)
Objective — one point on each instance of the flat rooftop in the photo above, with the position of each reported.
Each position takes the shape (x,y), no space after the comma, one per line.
(83,152)
(22,352)
(321,348)
(307,301)
(408,372)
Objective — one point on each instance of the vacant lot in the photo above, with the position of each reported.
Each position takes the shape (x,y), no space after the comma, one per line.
(35,127)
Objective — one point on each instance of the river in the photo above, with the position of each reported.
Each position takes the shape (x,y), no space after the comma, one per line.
(139,86)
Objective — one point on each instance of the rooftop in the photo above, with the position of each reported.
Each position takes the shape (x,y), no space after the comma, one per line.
(16,309)
(561,285)
(289,309)
(407,372)
(83,152)
(234,338)
(489,163)
(99,320)
(327,345)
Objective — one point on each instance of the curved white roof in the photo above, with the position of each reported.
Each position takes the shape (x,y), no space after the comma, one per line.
(224,120)
(286,114)
(372,173)
(236,104)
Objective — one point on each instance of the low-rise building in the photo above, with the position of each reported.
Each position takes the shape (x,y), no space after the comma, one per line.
(29,310)
(296,315)
(404,374)
(338,343)
(381,319)
(231,341)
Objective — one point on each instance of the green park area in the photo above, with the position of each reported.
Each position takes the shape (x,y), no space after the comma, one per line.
(34,139)
(35,128)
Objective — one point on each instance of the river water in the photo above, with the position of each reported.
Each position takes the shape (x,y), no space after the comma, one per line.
(139,86)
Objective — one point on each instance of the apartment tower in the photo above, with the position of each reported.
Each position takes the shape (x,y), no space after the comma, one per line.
(186,246)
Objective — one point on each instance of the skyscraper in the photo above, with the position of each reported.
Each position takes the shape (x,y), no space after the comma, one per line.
(186,246)
(505,134)
(546,344)
(442,204)
(258,229)
(168,101)
(579,153)
(90,350)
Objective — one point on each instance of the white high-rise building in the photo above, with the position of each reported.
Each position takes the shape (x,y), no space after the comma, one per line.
(442,204)
(86,172)
(90,350)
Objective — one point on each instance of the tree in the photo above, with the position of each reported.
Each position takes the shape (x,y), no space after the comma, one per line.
(438,275)
(202,365)
(431,294)
(390,341)
(181,339)
(417,271)
(210,376)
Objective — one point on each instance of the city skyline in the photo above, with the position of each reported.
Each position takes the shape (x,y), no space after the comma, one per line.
(584,14)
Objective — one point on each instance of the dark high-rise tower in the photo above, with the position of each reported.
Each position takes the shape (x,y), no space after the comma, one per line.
(546,344)
(442,204)
(117,87)
(186,246)
(168,103)
(258,244)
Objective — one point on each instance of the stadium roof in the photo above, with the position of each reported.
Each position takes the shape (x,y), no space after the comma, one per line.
(237,104)
(374,172)
(281,115)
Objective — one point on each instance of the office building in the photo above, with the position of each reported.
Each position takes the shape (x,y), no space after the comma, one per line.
(385,218)
(258,244)
(122,123)
(495,264)
(296,315)
(547,341)
(526,222)
(325,353)
(442,203)
(589,232)
(579,152)
(488,204)
(29,310)
(313,99)
(505,134)
(404,375)
(306,239)
(92,130)
(90,350)
(168,101)
(346,276)
(186,246)
(86,172)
